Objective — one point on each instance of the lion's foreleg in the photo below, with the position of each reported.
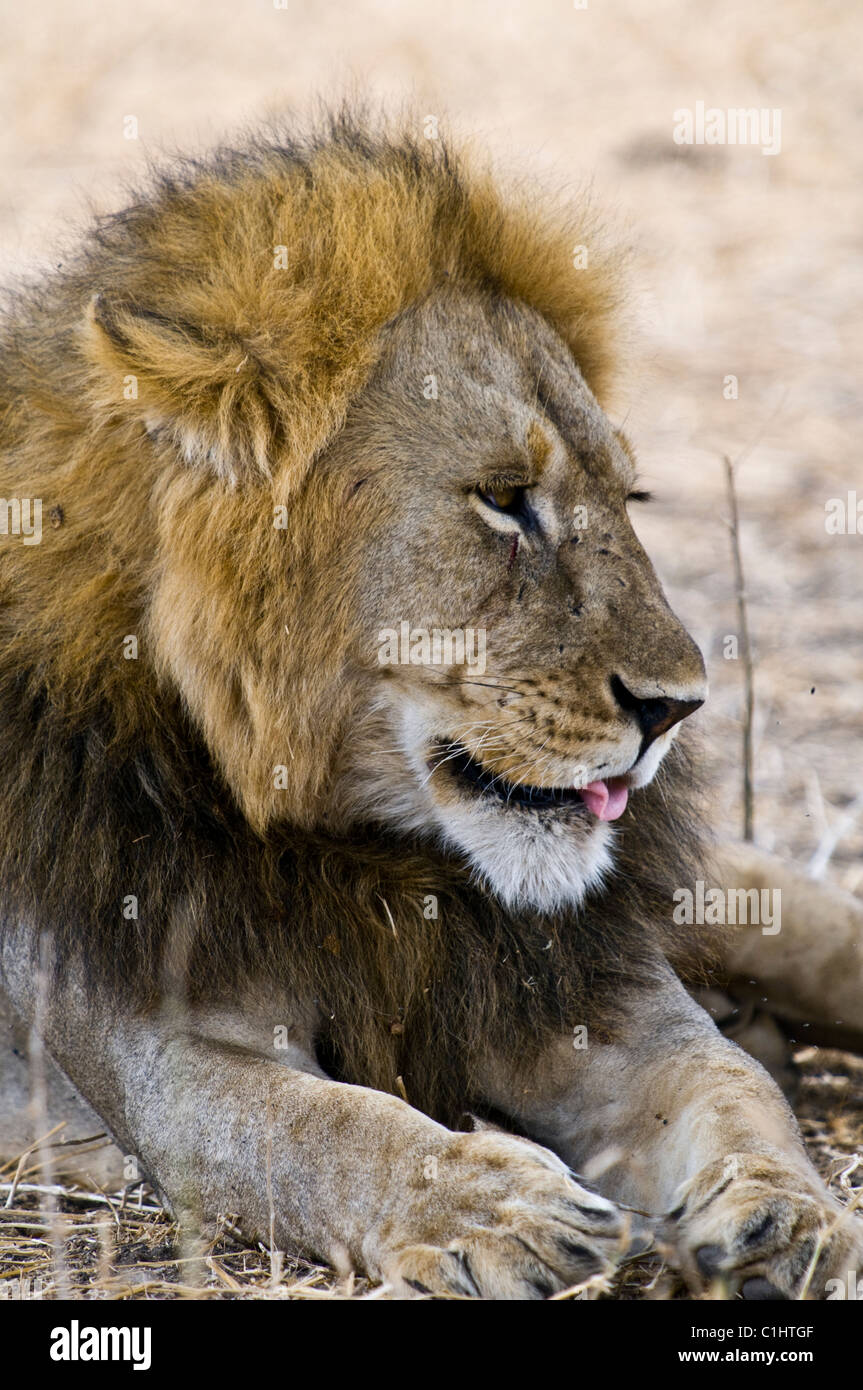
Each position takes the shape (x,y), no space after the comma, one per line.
(675,1119)
(343,1173)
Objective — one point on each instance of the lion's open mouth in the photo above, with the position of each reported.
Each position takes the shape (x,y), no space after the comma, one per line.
(605,799)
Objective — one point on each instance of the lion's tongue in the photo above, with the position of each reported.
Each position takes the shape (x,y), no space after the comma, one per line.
(607,800)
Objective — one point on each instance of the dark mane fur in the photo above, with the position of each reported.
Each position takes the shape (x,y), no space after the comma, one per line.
(87,822)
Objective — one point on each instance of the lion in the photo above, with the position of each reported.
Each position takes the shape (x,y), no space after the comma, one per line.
(361,936)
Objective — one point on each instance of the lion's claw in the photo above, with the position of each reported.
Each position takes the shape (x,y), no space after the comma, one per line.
(505,1220)
(764,1226)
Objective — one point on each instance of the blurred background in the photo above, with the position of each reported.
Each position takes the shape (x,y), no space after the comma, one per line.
(745,265)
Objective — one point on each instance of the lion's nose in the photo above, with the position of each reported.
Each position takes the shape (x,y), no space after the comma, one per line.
(655,714)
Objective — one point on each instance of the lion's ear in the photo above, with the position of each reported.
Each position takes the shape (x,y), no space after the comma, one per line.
(203,387)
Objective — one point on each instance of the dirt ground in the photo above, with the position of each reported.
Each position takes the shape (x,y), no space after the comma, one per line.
(744,265)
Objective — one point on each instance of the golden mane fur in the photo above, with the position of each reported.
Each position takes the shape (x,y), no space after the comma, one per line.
(249,368)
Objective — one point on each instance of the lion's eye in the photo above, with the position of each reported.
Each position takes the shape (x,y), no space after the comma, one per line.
(503,499)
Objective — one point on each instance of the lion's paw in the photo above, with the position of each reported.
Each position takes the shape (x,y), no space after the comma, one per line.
(503,1219)
(765,1227)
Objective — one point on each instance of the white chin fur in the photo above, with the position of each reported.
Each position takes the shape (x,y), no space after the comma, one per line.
(528,860)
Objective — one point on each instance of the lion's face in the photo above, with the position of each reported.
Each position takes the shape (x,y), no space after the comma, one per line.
(523,671)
